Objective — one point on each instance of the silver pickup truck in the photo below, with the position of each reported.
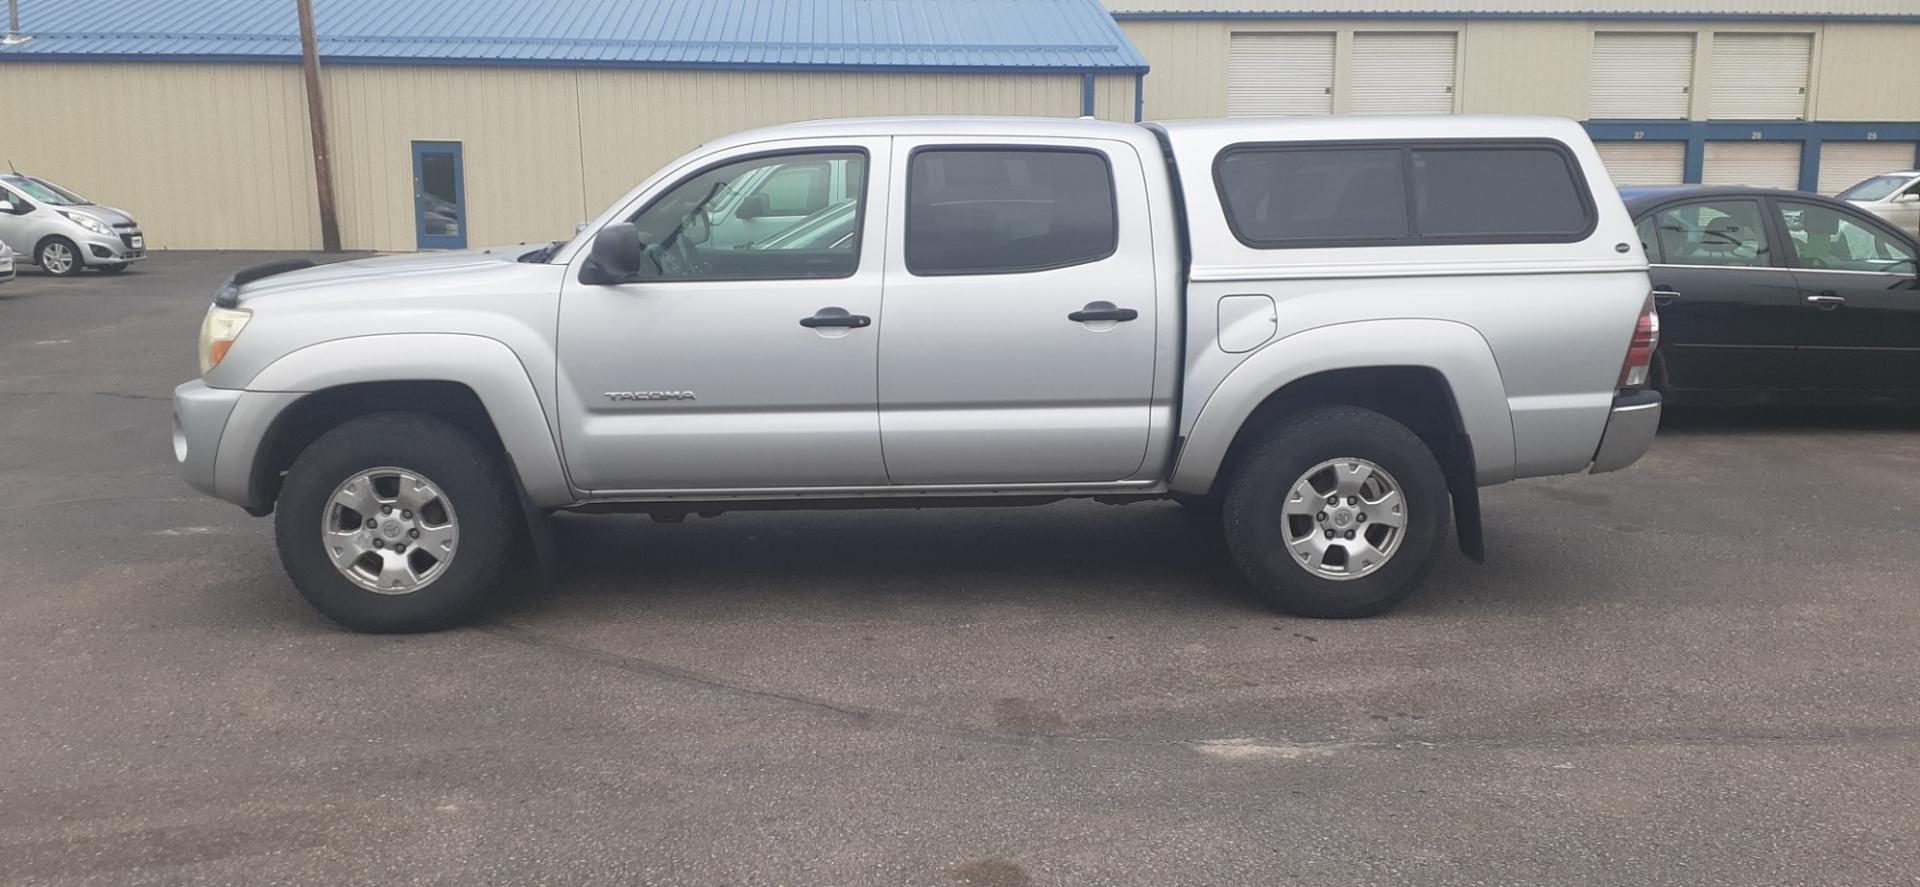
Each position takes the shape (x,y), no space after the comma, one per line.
(1328,332)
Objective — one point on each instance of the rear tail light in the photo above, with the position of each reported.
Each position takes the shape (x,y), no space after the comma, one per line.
(1646,336)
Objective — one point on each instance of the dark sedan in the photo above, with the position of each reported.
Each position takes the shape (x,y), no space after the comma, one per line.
(1779,295)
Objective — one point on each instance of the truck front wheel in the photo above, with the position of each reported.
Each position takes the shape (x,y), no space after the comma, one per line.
(1338,513)
(396,522)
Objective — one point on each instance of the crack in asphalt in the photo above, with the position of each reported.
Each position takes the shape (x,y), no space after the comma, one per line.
(119,394)
(1290,749)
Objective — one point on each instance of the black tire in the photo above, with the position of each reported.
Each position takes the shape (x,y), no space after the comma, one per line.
(40,256)
(114,268)
(473,480)
(1257,525)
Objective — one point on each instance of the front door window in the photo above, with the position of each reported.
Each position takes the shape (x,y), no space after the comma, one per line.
(1715,232)
(784,216)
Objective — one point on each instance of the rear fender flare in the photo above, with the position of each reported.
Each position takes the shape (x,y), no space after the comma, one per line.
(1455,350)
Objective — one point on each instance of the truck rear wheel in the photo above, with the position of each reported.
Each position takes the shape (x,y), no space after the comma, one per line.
(396,522)
(1338,514)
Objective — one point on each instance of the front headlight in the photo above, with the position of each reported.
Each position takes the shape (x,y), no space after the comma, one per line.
(217,332)
(88,222)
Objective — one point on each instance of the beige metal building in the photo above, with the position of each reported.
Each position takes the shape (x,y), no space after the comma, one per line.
(442,137)
(1813,94)
(504,126)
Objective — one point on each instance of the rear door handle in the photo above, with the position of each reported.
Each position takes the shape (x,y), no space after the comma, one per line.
(1828,300)
(1089,315)
(1665,296)
(851,321)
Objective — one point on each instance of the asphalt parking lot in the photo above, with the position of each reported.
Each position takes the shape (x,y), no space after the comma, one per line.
(1701,670)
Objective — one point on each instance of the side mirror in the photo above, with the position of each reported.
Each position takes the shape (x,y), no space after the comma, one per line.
(754,207)
(616,256)
(1909,197)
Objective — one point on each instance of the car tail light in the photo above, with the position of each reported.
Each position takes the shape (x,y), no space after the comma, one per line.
(1646,336)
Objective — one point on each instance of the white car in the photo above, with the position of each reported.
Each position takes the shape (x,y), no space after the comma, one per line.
(1893,196)
(6,263)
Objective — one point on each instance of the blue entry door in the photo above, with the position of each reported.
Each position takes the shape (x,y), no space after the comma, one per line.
(439,196)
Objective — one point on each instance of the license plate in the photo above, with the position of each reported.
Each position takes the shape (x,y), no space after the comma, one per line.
(138,242)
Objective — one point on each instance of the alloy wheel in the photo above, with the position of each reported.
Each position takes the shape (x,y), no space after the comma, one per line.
(389,530)
(56,258)
(1344,518)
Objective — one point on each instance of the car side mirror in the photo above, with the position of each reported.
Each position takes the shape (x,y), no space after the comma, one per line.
(616,256)
(1909,197)
(754,207)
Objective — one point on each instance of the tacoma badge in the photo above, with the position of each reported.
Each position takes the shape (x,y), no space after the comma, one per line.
(650,395)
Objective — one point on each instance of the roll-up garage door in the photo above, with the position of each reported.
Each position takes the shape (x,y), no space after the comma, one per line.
(1410,73)
(1846,164)
(1279,75)
(1760,76)
(1641,77)
(1640,164)
(1761,164)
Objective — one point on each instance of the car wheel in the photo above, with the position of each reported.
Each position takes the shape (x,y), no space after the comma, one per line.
(1339,513)
(59,257)
(113,269)
(397,522)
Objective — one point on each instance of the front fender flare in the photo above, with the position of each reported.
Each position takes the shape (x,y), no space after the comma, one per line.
(487,366)
(1455,350)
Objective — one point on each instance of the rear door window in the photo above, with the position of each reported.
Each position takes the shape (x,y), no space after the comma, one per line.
(1826,238)
(1649,240)
(1386,194)
(1007,210)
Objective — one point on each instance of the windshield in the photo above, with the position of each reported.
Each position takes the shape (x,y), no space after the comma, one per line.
(45,191)
(1875,188)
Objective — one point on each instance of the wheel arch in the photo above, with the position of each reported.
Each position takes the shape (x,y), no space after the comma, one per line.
(41,244)
(475,382)
(1442,382)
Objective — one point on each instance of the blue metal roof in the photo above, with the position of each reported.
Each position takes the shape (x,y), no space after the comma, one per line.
(1006,35)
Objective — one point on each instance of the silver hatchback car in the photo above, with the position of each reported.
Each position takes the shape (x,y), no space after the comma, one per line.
(63,232)
(1894,196)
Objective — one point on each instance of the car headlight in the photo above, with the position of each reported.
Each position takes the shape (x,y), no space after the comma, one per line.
(88,222)
(217,332)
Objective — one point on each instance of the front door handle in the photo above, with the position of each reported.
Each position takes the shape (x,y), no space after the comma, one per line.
(1090,314)
(1827,300)
(843,319)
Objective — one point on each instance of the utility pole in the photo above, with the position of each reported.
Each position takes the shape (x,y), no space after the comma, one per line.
(317,122)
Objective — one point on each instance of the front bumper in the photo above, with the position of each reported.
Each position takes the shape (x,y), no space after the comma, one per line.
(199,417)
(1630,430)
(117,248)
(217,437)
